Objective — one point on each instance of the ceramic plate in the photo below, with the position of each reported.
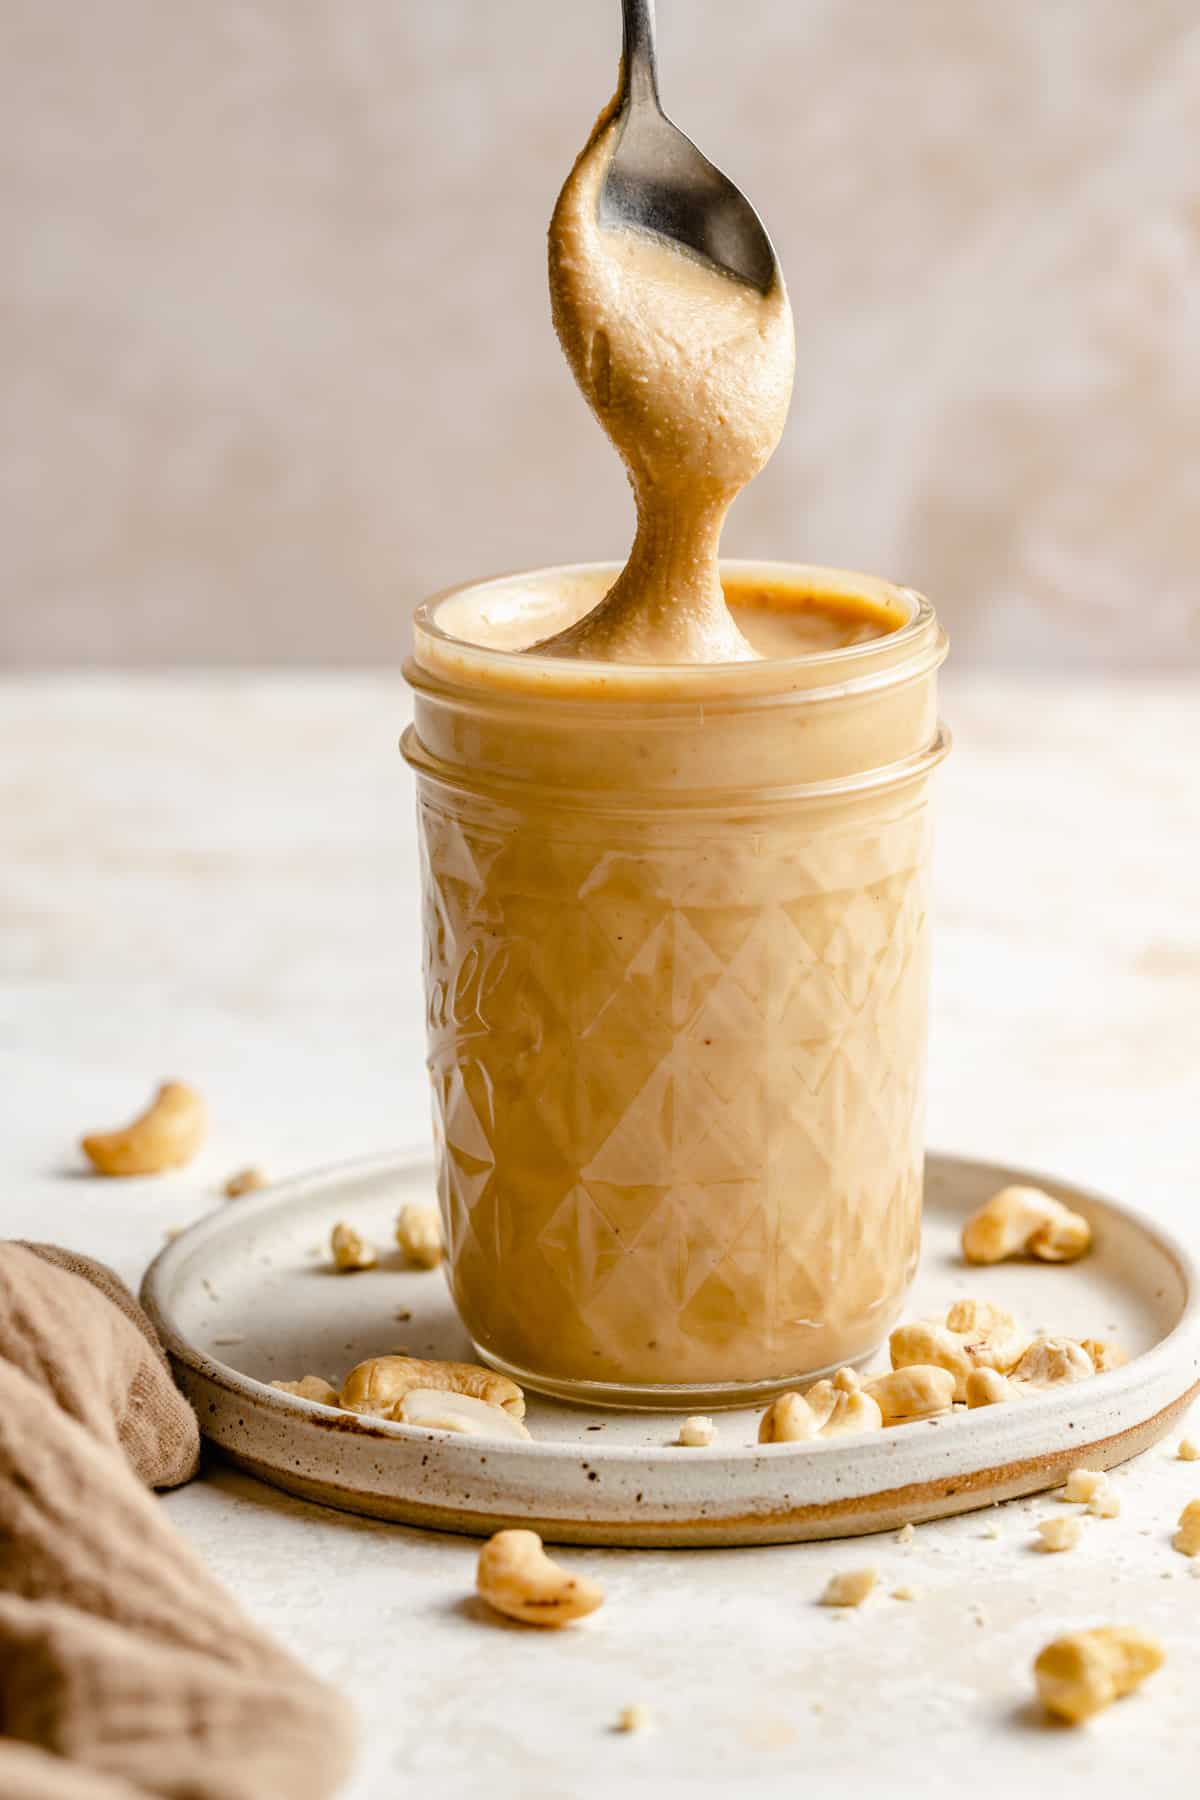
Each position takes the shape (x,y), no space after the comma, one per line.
(247,1297)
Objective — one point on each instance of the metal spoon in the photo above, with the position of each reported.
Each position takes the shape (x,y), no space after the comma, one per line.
(659,182)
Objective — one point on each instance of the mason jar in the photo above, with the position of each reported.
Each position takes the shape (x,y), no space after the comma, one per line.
(676,937)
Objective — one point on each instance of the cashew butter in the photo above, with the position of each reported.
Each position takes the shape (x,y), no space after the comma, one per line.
(674,833)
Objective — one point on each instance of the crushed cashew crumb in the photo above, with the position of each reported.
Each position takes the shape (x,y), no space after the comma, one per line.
(1060,1532)
(992,1531)
(1189,1450)
(1083,1485)
(849,1588)
(634,1718)
(906,1533)
(1105,1505)
(905,1592)
(696,1433)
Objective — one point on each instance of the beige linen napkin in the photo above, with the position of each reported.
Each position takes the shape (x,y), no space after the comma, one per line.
(125,1669)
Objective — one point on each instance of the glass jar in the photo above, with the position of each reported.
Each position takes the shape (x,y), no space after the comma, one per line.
(676,944)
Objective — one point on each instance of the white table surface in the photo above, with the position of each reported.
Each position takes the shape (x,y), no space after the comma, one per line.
(214,877)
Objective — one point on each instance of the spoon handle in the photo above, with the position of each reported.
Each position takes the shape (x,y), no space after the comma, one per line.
(639,57)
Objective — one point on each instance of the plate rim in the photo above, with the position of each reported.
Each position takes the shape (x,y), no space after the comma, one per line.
(1123,1383)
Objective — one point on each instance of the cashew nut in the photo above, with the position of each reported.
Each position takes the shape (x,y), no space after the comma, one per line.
(1106,1504)
(1082,1673)
(834,1407)
(166,1136)
(379,1384)
(1187,1538)
(696,1433)
(992,1337)
(853,1411)
(245,1181)
(924,1343)
(517,1578)
(849,1588)
(987,1387)
(350,1250)
(789,1420)
(440,1409)
(310,1387)
(1049,1362)
(1060,1532)
(419,1235)
(911,1393)
(1024,1221)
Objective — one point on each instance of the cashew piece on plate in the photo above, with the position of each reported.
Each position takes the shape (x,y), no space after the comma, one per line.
(440,1409)
(836,1407)
(310,1387)
(911,1393)
(1082,1673)
(382,1382)
(517,1578)
(166,1136)
(987,1387)
(419,1235)
(1051,1362)
(350,1250)
(1024,1221)
(991,1336)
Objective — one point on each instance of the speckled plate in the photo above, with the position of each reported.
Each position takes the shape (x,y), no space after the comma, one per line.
(247,1297)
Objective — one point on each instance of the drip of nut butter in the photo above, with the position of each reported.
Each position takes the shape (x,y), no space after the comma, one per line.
(689,371)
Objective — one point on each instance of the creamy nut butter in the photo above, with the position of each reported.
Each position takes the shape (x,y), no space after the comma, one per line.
(674,832)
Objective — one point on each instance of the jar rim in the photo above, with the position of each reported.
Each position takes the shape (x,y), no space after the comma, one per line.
(456,660)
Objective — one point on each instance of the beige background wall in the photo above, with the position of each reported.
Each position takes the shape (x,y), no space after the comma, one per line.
(278,357)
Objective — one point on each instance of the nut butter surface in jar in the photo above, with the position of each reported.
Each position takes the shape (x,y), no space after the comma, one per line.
(676,942)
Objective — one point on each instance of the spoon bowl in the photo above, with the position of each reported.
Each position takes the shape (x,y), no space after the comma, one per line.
(659,182)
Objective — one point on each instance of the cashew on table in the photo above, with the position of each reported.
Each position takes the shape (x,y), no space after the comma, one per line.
(517,1578)
(166,1136)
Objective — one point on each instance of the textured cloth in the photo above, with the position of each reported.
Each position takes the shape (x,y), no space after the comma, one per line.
(125,1670)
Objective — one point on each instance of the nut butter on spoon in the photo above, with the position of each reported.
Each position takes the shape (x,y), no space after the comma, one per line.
(673,314)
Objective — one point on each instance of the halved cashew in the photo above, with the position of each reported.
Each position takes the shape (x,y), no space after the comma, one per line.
(987,1387)
(440,1409)
(517,1577)
(419,1235)
(1050,1361)
(310,1387)
(834,1407)
(350,1250)
(379,1384)
(245,1181)
(853,1411)
(1187,1538)
(991,1336)
(789,1420)
(1024,1221)
(1082,1673)
(166,1136)
(934,1345)
(912,1393)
